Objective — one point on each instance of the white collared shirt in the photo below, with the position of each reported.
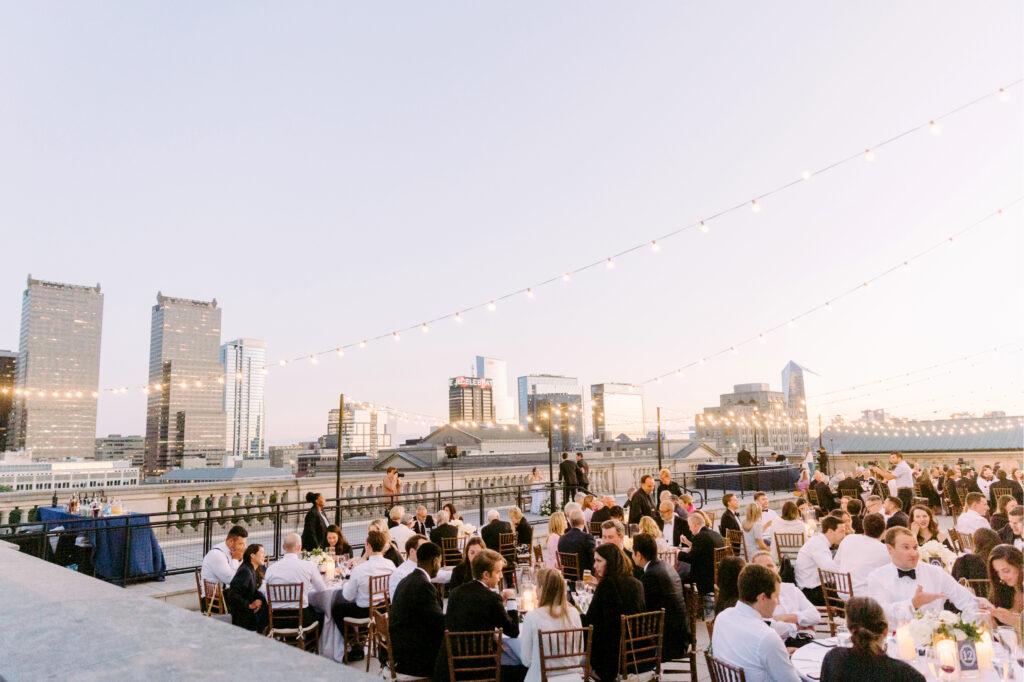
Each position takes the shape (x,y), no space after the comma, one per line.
(985,486)
(742,638)
(816,553)
(218,565)
(792,601)
(292,569)
(970,521)
(401,534)
(357,589)
(904,478)
(859,555)
(895,594)
(666,531)
(769,515)
(404,570)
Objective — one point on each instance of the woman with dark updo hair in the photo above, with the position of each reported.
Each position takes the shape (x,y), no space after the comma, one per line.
(866,660)
(314,532)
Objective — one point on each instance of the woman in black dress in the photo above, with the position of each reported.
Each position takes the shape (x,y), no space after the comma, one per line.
(866,661)
(618,594)
(336,541)
(314,532)
(463,572)
(247,606)
(974,566)
(523,529)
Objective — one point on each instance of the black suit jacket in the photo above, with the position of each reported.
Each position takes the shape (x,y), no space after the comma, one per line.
(601,515)
(524,532)
(444,531)
(680,528)
(416,625)
(423,527)
(582,472)
(702,559)
(244,589)
(314,531)
(664,590)
(672,487)
(567,472)
(492,530)
(898,519)
(729,522)
(826,500)
(580,543)
(849,487)
(614,597)
(1006,534)
(472,608)
(744,459)
(640,505)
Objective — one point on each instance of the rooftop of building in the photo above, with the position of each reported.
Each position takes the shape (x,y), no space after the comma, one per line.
(942,435)
(484,432)
(62,285)
(220,474)
(161,300)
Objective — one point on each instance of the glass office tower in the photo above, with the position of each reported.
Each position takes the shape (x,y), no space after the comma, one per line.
(617,411)
(538,394)
(243,361)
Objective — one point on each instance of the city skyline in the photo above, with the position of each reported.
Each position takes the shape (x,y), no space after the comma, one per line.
(342,205)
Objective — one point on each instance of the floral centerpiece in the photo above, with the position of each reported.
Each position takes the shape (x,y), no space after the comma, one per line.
(316,557)
(465,529)
(927,626)
(936,550)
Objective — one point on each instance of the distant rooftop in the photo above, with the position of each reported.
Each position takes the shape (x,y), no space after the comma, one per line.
(943,435)
(221,474)
(62,285)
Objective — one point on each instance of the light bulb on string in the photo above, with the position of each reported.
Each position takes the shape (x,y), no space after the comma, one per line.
(362,344)
(220,380)
(458,317)
(565,277)
(609,263)
(312,359)
(529,293)
(491,306)
(828,306)
(425,328)
(339,352)
(395,336)
(704,227)
(934,128)
(806,175)
(1004,95)
(282,362)
(869,155)
(754,206)
(950,241)
(654,246)
(761,338)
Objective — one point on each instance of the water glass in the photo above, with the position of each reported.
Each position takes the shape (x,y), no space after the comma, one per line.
(843,637)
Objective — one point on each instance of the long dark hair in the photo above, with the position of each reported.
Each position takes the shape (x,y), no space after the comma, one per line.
(341,537)
(617,563)
(728,582)
(247,561)
(472,542)
(933,526)
(999,592)
(867,624)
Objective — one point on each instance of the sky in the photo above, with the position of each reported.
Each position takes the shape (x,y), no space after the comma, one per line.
(332,172)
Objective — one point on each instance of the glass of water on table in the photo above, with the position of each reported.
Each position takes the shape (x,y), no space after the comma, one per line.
(843,636)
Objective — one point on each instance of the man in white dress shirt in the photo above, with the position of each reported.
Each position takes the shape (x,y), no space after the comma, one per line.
(908,584)
(901,476)
(973,517)
(859,555)
(743,639)
(290,568)
(794,611)
(221,562)
(403,531)
(407,566)
(768,515)
(817,554)
(985,480)
(355,595)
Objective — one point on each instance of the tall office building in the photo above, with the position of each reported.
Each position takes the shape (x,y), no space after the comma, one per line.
(243,361)
(185,413)
(58,370)
(116,447)
(365,432)
(542,392)
(793,387)
(753,413)
(8,370)
(618,411)
(497,371)
(470,400)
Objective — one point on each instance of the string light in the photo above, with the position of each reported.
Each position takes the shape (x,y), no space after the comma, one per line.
(395,336)
(654,246)
(754,206)
(704,227)
(362,344)
(339,352)
(806,175)
(529,293)
(609,263)
(869,155)
(425,328)
(312,359)
(458,317)
(565,277)
(1004,95)
(491,306)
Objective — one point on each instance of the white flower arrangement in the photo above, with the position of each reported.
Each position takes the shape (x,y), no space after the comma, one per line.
(316,557)
(927,624)
(934,548)
(466,530)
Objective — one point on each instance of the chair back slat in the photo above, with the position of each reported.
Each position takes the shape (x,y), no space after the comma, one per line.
(450,550)
(562,651)
(640,643)
(669,556)
(788,544)
(569,564)
(954,539)
(836,588)
(980,587)
(284,604)
(381,634)
(735,538)
(214,593)
(721,553)
(538,555)
(474,656)
(595,528)
(380,595)
(720,671)
(812,497)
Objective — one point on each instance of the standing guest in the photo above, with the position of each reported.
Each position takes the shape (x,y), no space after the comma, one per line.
(604,512)
(579,542)
(729,519)
(672,526)
(314,531)
(395,515)
(247,606)
(974,565)
(416,623)
(860,554)
(392,485)
(826,500)
(494,529)
(855,507)
(1004,504)
(614,533)
(290,568)
(900,480)
(794,612)
(663,590)
(768,515)
(401,532)
(1013,532)
(423,522)
(973,518)
(567,471)
(336,541)
(221,563)
(815,555)
(522,528)
(355,595)
(618,594)
(390,552)
(924,526)
(665,482)
(867,660)
(744,458)
(463,572)
(907,584)
(728,583)
(803,483)
(743,639)
(537,494)
(553,612)
(582,473)
(753,530)
(823,461)
(557,525)
(893,507)
(408,566)
(642,503)
(699,566)
(1005,571)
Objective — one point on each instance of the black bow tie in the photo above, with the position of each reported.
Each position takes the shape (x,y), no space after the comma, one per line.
(912,573)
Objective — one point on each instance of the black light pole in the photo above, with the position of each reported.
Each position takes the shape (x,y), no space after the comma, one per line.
(659,439)
(337,465)
(551,452)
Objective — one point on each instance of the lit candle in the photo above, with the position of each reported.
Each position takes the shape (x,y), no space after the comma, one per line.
(905,641)
(984,649)
(328,570)
(528,602)
(945,649)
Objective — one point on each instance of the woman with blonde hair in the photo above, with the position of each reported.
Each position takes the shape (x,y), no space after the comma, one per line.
(552,613)
(556,527)
(391,552)
(649,526)
(523,529)
(753,530)
(588,507)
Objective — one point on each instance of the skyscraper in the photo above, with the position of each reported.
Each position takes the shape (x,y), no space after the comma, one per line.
(470,400)
(58,370)
(365,432)
(793,387)
(8,371)
(541,393)
(618,410)
(753,413)
(497,371)
(243,361)
(185,413)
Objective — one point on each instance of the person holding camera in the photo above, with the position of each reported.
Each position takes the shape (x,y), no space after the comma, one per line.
(392,487)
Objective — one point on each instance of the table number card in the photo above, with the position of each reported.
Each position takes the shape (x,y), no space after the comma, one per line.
(968,655)
(935,561)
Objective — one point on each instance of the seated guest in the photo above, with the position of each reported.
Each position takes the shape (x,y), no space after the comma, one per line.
(817,554)
(463,572)
(423,521)
(859,555)
(1005,572)
(416,623)
(290,568)
(476,606)
(618,594)
(848,486)
(973,518)
(1001,516)
(613,532)
(794,612)
(768,515)
(753,530)
(845,518)
(401,533)
(1013,532)
(603,513)
(557,525)
(803,483)
(743,639)
(494,528)
(867,660)
(663,590)
(893,507)
(408,566)
(686,500)
(617,513)
(453,515)
(443,530)
(395,516)
(390,552)
(672,526)
(826,500)
(336,541)
(221,563)
(587,507)
(789,522)
(728,583)
(855,507)
(907,584)
(553,612)
(924,526)
(974,565)
(355,595)
(579,542)
(522,528)
(665,482)
(729,519)
(699,564)
(650,527)
(247,606)
(873,505)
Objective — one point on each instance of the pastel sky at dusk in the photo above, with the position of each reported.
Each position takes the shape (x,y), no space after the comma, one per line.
(331,172)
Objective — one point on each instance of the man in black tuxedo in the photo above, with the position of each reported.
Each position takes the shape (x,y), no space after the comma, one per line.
(744,458)
(729,520)
(679,526)
(663,590)
(826,500)
(474,607)
(698,565)
(642,503)
(443,529)
(567,471)
(894,510)
(582,473)
(578,541)
(605,512)
(423,522)
(849,487)
(1013,532)
(494,528)
(417,620)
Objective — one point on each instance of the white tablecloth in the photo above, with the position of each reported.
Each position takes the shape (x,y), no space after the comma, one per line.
(511,651)
(331,643)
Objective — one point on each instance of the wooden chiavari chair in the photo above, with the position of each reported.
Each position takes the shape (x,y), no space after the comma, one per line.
(285,619)
(788,544)
(564,651)
(721,671)
(382,644)
(450,551)
(569,564)
(380,602)
(836,588)
(739,547)
(640,643)
(474,655)
(507,550)
(979,587)
(721,553)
